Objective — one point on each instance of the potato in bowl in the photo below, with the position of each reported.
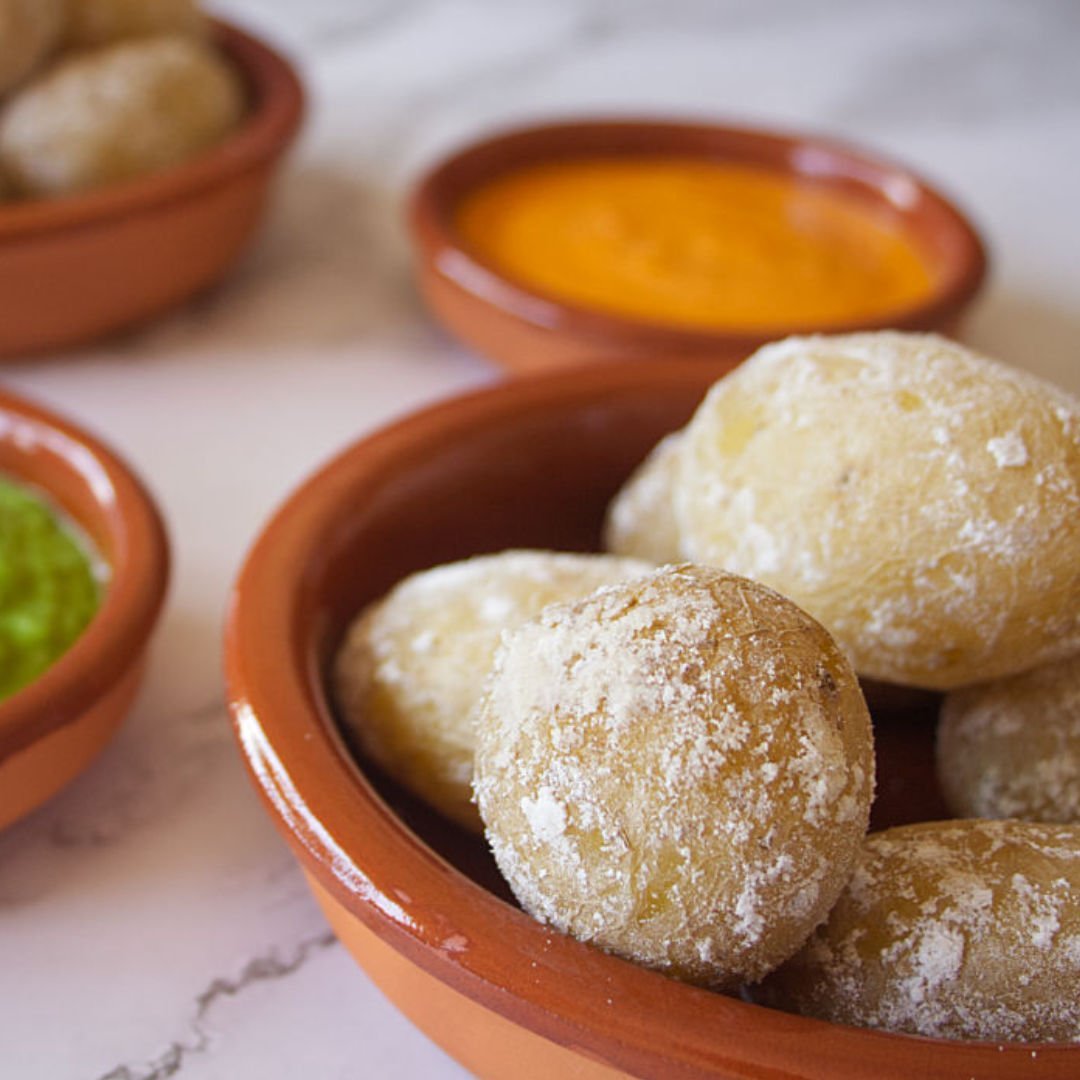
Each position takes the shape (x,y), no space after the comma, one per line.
(417,901)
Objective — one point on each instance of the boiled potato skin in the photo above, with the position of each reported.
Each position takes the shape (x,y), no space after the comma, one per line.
(957,929)
(640,520)
(920,500)
(115,113)
(677,769)
(410,672)
(1011,748)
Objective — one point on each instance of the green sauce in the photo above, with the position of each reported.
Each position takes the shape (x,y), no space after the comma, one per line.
(48,590)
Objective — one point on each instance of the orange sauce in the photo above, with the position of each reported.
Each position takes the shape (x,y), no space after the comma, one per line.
(693,244)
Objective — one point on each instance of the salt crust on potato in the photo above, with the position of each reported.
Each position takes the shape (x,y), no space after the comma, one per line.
(677,769)
(921,500)
(29,30)
(1011,748)
(115,113)
(957,929)
(409,674)
(640,520)
(91,23)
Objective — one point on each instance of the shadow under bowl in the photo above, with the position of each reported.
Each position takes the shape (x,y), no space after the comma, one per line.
(77,268)
(51,729)
(526,329)
(529,462)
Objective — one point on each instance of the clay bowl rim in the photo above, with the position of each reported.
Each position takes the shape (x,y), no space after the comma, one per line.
(355,847)
(139,563)
(436,193)
(276,109)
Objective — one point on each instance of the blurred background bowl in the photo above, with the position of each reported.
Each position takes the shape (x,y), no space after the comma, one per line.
(525,329)
(76,268)
(420,904)
(52,728)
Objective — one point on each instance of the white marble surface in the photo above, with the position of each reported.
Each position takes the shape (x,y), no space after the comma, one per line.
(151,922)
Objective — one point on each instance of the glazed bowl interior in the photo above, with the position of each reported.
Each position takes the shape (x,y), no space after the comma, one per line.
(86,481)
(453,274)
(532,462)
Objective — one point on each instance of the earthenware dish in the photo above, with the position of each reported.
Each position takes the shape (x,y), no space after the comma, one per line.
(524,329)
(76,268)
(420,905)
(51,729)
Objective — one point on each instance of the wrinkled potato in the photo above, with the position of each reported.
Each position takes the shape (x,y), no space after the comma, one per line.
(1011,748)
(920,500)
(677,769)
(409,674)
(640,520)
(956,929)
(115,113)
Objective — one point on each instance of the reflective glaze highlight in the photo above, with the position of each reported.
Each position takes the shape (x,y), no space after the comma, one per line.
(418,902)
(53,727)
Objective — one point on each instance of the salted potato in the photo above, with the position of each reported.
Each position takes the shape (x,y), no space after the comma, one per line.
(640,520)
(1011,748)
(115,113)
(91,23)
(29,30)
(921,500)
(409,675)
(677,769)
(958,929)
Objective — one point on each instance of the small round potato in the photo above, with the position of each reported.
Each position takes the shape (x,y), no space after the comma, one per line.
(29,30)
(1011,748)
(116,113)
(640,520)
(677,769)
(921,500)
(410,672)
(957,929)
(91,23)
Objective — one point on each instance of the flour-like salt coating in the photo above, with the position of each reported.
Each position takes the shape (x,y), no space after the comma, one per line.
(937,954)
(959,929)
(1011,747)
(410,672)
(1008,451)
(545,814)
(919,499)
(678,769)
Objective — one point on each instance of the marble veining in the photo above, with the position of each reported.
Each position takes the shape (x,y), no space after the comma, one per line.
(259,969)
(152,923)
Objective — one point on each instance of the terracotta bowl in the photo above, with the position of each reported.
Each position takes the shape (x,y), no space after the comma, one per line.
(419,904)
(524,329)
(77,268)
(51,729)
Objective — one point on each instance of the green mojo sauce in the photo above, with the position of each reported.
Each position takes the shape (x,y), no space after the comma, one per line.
(48,588)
